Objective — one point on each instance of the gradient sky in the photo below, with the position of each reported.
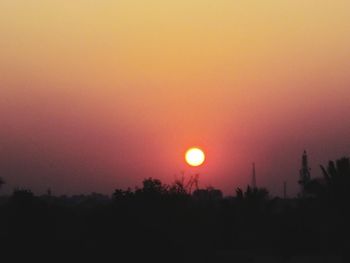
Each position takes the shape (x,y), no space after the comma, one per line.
(99,94)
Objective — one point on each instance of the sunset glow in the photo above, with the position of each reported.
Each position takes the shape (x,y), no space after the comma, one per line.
(195,157)
(84,85)
(175,130)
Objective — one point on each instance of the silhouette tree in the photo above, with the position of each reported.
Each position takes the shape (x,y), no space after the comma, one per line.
(337,176)
(2,182)
(210,193)
(178,188)
(335,182)
(336,188)
(22,198)
(153,187)
(258,194)
(120,194)
(239,194)
(152,190)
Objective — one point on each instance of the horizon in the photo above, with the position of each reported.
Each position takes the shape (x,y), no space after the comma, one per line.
(186,178)
(98,95)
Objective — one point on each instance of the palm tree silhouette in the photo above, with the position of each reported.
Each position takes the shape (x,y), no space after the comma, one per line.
(337,179)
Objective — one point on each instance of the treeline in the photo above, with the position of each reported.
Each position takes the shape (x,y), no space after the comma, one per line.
(166,223)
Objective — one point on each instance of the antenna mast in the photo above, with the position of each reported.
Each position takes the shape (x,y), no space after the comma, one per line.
(305,176)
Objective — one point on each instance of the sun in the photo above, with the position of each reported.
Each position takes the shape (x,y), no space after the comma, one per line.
(195,157)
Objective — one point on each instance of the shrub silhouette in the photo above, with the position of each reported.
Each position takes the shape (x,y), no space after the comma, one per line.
(2,182)
(164,223)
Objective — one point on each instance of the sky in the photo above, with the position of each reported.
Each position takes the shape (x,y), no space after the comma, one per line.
(100,94)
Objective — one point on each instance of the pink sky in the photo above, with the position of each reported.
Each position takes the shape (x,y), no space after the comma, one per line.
(96,95)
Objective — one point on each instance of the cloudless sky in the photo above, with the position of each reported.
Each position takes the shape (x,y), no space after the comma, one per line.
(99,94)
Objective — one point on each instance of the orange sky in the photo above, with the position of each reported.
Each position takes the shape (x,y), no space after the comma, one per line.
(100,94)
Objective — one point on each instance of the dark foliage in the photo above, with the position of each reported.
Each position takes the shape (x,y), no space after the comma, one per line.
(2,182)
(164,223)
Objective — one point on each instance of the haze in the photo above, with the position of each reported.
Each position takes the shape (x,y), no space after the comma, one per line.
(96,95)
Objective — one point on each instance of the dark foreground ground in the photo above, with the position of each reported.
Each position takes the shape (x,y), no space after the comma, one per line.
(155,224)
(164,223)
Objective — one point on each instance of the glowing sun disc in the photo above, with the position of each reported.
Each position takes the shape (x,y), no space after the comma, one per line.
(195,157)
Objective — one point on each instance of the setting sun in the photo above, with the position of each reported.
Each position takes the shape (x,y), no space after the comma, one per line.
(195,157)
